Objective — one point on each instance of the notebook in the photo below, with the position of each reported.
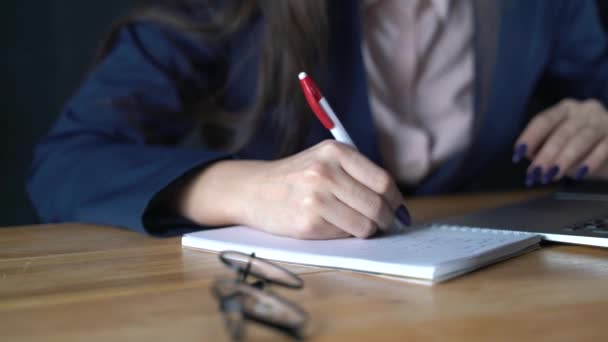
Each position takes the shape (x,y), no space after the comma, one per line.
(431,253)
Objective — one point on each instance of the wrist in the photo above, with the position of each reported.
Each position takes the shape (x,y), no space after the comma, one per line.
(218,194)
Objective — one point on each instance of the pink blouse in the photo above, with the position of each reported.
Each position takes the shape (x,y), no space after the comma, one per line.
(419,61)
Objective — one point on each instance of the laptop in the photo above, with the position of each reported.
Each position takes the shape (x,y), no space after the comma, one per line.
(573,214)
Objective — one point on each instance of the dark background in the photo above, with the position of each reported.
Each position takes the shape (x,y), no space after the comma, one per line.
(50,46)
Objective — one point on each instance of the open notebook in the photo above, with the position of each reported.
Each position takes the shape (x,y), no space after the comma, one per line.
(433,253)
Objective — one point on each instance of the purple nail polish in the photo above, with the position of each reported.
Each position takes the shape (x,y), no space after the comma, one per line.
(403,215)
(582,172)
(519,153)
(534,176)
(553,171)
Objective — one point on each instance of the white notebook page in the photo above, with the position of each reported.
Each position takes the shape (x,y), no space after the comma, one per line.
(418,253)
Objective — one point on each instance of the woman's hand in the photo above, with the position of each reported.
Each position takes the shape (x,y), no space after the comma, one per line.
(328,191)
(570,138)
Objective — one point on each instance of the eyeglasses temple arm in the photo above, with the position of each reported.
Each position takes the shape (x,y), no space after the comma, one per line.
(247,269)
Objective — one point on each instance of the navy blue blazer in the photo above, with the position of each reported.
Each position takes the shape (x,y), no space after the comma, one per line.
(95,166)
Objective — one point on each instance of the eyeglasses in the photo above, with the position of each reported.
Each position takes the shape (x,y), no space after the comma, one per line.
(242,301)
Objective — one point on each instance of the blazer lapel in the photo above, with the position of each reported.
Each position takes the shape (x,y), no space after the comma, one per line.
(487,27)
(346,86)
(487,23)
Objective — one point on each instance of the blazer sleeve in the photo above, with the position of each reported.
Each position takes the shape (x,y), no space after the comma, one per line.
(579,60)
(94,165)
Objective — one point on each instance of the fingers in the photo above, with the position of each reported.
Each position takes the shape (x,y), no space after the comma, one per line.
(531,140)
(318,228)
(347,219)
(370,175)
(575,151)
(365,171)
(562,148)
(563,141)
(593,162)
(338,193)
(371,205)
(324,216)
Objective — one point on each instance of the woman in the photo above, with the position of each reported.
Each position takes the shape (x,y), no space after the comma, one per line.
(193,116)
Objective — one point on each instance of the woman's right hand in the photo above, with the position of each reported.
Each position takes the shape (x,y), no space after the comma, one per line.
(325,192)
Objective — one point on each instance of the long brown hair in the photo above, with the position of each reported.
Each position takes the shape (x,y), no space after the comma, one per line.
(291,42)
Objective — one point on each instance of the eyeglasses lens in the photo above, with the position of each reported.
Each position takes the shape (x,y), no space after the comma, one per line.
(261,269)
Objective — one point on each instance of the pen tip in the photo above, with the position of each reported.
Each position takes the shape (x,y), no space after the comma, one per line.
(302,75)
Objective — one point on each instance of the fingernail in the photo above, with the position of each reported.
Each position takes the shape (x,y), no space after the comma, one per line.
(582,172)
(519,153)
(403,215)
(533,176)
(551,174)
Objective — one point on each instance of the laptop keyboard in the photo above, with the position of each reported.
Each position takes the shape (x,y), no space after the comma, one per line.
(598,226)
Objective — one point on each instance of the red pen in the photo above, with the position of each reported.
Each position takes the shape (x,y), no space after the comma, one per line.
(319,105)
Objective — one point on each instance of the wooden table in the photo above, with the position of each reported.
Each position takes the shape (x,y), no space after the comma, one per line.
(79,282)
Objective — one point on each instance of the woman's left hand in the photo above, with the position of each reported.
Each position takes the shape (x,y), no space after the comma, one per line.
(568,139)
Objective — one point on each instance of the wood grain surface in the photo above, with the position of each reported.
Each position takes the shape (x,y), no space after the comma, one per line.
(76,282)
